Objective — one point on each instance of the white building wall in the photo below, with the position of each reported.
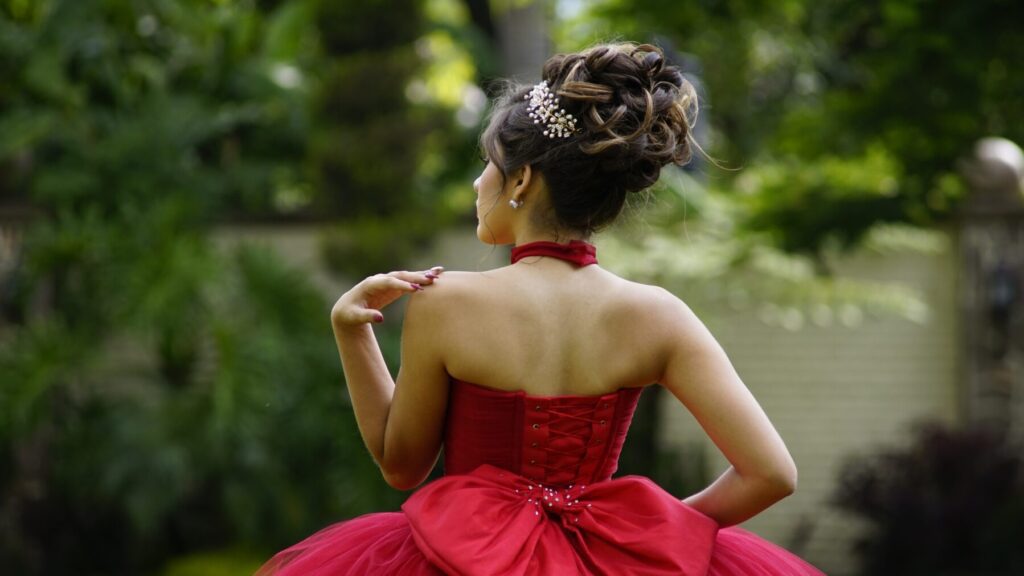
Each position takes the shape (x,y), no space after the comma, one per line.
(833,392)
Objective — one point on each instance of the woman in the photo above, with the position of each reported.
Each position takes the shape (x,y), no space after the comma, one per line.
(528,375)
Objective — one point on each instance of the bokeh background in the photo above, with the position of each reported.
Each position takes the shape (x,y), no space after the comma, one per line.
(186,187)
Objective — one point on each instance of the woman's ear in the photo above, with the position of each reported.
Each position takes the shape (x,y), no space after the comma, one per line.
(520,181)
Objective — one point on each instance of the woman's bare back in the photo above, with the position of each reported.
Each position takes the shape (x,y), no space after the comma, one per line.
(548,328)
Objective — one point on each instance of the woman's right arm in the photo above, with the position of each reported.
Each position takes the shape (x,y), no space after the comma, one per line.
(698,372)
(405,446)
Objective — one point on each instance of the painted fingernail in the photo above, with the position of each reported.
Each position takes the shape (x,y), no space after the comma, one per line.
(416,286)
(378,318)
(430,275)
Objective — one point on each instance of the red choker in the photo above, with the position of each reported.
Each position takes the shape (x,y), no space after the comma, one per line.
(576,251)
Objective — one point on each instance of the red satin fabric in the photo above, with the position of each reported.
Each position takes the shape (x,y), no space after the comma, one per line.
(556,440)
(528,491)
(497,522)
(576,251)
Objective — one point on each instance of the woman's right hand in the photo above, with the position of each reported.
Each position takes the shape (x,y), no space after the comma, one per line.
(365,300)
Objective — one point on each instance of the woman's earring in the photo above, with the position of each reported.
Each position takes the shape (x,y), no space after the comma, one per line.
(515,203)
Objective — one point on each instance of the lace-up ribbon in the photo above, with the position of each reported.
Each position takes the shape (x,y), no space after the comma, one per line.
(492,521)
(566,440)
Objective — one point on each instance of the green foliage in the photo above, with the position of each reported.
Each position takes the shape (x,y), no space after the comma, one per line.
(157,397)
(380,24)
(794,87)
(226,563)
(371,152)
(247,437)
(805,204)
(365,150)
(158,97)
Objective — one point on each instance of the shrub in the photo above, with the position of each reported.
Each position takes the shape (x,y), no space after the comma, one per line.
(952,502)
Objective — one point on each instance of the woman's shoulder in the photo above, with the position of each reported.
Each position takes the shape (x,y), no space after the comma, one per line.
(653,315)
(638,294)
(453,288)
(460,284)
(611,292)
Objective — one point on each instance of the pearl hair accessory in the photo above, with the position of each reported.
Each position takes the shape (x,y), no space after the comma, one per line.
(544,108)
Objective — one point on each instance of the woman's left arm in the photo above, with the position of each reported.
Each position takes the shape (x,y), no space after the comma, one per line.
(401,430)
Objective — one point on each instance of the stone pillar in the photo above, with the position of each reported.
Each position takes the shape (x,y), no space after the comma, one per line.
(991,286)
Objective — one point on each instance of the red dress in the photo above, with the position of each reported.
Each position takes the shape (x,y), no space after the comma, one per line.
(528,490)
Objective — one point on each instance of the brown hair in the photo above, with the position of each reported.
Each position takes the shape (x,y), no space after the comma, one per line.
(635,113)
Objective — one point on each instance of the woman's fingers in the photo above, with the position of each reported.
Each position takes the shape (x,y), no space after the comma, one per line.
(350,315)
(403,283)
(421,278)
(364,302)
(369,315)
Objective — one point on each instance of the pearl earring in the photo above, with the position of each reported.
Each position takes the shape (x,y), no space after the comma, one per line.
(515,203)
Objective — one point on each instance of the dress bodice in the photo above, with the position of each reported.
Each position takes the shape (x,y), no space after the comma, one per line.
(553,440)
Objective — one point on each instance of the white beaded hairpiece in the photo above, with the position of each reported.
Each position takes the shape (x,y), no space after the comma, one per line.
(543,108)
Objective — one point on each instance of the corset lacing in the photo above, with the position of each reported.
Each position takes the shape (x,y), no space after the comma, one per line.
(566,440)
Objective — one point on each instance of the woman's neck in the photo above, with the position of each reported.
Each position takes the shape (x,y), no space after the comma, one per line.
(548,236)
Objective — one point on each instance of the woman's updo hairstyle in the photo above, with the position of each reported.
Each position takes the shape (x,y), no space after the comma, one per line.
(634,114)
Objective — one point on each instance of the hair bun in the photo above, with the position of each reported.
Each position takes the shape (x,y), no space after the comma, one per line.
(632,111)
(636,111)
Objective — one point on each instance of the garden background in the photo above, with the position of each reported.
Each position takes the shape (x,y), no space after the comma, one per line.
(171,401)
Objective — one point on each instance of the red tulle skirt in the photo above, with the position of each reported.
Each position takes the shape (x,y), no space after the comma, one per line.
(496,522)
(382,543)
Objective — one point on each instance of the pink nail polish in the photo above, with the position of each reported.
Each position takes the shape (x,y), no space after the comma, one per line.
(378,318)
(416,286)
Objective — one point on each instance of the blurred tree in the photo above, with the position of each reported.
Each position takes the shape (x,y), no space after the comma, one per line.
(388,139)
(157,397)
(368,141)
(797,85)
